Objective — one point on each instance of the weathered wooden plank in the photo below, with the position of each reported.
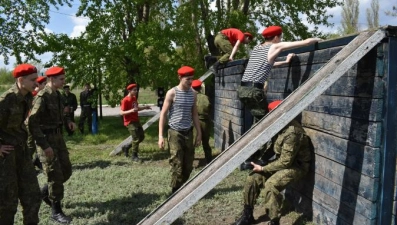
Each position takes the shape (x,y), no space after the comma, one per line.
(229,110)
(225,138)
(329,44)
(229,127)
(363,185)
(356,108)
(335,197)
(230,115)
(361,131)
(228,79)
(345,86)
(232,94)
(236,125)
(361,158)
(220,84)
(233,70)
(295,72)
(232,103)
(322,208)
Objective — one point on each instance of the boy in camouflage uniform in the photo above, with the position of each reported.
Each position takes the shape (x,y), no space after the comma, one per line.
(17,175)
(45,124)
(292,160)
(204,111)
(70,103)
(180,102)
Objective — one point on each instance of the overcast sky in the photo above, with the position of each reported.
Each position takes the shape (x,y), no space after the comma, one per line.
(63,21)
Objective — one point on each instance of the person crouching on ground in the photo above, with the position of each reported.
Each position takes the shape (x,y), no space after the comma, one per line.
(292,160)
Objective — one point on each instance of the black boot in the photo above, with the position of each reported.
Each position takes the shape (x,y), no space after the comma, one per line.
(135,157)
(44,195)
(174,189)
(214,68)
(209,60)
(125,149)
(247,217)
(58,215)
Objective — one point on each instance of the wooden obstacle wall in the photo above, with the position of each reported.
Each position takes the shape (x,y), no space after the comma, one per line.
(345,125)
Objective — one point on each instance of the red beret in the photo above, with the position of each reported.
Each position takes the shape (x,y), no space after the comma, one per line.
(131,86)
(41,79)
(54,71)
(272,31)
(273,105)
(24,70)
(186,71)
(196,83)
(248,35)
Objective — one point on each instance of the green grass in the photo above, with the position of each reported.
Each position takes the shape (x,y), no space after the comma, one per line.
(115,190)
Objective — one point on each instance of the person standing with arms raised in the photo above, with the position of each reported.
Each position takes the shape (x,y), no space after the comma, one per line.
(180,103)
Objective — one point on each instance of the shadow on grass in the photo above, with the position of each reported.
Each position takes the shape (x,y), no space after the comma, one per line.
(126,210)
(97,164)
(216,191)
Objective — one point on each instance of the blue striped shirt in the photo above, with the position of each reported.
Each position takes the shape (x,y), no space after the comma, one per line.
(180,114)
(258,68)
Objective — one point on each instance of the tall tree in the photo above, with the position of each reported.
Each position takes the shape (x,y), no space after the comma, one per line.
(373,15)
(21,23)
(350,12)
(392,12)
(146,41)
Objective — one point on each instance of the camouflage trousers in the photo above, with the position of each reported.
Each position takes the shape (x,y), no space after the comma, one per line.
(182,156)
(225,47)
(31,145)
(205,126)
(272,184)
(18,180)
(86,114)
(255,100)
(137,134)
(58,169)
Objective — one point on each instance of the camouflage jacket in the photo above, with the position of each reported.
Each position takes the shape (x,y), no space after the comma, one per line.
(203,106)
(14,108)
(47,113)
(291,147)
(69,100)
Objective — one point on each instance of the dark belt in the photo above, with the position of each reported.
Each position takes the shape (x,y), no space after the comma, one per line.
(251,84)
(184,132)
(53,131)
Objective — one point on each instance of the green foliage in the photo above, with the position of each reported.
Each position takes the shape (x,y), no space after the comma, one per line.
(146,42)
(350,12)
(6,76)
(373,15)
(22,23)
